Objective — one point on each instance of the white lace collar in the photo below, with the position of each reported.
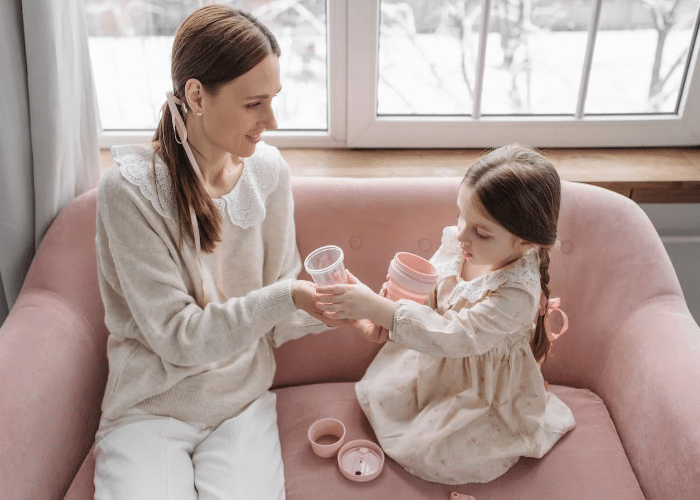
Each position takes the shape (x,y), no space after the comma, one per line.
(524,271)
(244,204)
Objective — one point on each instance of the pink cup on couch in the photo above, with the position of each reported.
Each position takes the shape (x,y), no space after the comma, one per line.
(411,277)
(326,436)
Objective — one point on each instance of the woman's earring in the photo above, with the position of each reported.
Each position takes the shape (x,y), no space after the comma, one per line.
(199,113)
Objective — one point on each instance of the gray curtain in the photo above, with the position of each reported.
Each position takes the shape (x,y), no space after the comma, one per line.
(49,149)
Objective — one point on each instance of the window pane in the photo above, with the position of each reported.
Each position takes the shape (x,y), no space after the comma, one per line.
(130,43)
(535,53)
(427,54)
(534,56)
(641,55)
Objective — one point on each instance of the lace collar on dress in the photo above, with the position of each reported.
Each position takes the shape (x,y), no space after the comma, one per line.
(524,271)
(244,204)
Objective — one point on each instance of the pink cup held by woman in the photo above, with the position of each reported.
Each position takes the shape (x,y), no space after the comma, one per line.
(411,277)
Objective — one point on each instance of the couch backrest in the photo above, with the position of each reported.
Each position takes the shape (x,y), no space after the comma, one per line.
(611,262)
(370,219)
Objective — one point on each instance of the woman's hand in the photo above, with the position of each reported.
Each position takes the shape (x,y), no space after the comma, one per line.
(355,301)
(303,293)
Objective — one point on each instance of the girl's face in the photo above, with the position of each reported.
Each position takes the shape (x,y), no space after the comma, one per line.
(484,242)
(234,118)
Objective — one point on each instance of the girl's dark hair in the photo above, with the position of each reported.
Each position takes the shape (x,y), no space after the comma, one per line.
(520,190)
(214,45)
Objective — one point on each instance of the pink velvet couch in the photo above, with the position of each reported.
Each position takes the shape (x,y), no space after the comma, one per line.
(629,367)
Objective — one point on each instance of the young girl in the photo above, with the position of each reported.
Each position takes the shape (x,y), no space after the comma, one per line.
(197,264)
(457,396)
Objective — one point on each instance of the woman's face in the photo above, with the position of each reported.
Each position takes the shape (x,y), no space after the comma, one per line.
(484,241)
(234,118)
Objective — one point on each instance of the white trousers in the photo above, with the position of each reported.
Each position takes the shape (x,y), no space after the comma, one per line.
(145,457)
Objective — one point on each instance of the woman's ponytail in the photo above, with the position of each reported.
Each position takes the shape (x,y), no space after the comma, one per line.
(188,190)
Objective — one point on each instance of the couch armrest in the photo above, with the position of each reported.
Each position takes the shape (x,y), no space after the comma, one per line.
(53,366)
(52,376)
(650,382)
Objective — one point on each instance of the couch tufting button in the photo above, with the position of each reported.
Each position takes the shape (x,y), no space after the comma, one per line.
(424,244)
(566,247)
(355,242)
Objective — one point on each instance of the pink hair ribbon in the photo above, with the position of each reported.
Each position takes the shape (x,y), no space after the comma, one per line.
(549,308)
(180,130)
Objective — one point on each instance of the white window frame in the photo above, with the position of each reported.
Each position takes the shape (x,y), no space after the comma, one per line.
(335,136)
(353,27)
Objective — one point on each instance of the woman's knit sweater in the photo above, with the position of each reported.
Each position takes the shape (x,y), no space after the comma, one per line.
(167,355)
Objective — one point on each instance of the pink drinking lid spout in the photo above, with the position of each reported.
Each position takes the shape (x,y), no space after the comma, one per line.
(461,496)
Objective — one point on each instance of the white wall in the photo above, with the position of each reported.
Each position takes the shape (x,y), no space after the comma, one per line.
(679,228)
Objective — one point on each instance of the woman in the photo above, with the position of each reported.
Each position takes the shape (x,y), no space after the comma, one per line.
(197,265)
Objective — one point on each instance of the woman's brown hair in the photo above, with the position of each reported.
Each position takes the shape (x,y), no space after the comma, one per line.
(214,45)
(520,190)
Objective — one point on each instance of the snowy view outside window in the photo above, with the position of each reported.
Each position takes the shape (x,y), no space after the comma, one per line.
(534,57)
(130,43)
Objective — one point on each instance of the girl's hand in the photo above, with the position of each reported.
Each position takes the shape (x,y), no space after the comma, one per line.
(383,290)
(355,301)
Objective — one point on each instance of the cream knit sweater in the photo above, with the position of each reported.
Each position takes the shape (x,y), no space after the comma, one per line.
(167,355)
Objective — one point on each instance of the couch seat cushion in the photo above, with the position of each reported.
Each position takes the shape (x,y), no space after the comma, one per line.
(589,462)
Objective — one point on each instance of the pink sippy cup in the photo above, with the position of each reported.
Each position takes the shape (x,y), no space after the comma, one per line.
(410,277)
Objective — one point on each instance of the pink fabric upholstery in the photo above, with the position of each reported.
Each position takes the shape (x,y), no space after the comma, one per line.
(629,366)
(53,365)
(371,220)
(587,463)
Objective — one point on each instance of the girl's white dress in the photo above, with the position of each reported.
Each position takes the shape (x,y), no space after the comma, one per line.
(458,397)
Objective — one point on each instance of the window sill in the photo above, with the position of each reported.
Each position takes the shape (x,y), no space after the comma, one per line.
(647,175)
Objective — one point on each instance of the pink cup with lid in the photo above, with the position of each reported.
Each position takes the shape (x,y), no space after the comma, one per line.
(411,277)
